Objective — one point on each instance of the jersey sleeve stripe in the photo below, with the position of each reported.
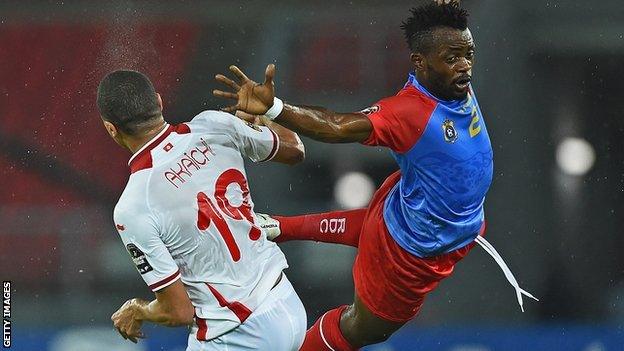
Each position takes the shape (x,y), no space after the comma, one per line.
(274,148)
(165,282)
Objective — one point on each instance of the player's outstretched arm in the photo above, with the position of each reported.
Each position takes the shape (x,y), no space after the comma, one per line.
(314,122)
(172,307)
(291,149)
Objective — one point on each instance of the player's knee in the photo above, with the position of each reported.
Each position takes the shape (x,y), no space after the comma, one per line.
(374,338)
(361,339)
(360,330)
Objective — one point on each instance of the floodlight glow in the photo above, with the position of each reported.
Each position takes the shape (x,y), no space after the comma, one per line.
(353,190)
(575,156)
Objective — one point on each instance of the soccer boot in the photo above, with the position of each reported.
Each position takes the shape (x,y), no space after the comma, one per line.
(269,224)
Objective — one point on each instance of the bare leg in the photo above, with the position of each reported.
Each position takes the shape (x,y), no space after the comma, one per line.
(361,327)
(347,328)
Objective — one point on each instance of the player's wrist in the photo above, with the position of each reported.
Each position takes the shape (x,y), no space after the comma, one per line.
(139,309)
(276,109)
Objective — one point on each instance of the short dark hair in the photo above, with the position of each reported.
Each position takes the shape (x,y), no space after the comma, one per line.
(418,28)
(128,100)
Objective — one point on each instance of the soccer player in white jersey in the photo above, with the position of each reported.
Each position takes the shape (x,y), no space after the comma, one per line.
(186,218)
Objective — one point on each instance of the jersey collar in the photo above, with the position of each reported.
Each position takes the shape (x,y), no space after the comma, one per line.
(142,158)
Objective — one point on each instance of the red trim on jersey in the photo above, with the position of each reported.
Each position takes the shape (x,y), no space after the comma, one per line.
(182,128)
(275,147)
(164,282)
(401,120)
(143,159)
(202,332)
(241,311)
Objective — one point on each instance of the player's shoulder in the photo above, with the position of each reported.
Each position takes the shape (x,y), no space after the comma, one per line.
(408,102)
(212,119)
(133,200)
(411,97)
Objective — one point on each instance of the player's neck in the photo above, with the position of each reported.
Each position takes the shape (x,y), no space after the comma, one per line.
(135,144)
(430,87)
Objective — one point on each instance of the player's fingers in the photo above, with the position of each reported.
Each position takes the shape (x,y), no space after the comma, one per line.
(123,335)
(224,94)
(227,81)
(269,73)
(135,336)
(230,109)
(115,316)
(238,73)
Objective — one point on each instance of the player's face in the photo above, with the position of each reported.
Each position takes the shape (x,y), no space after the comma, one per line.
(448,65)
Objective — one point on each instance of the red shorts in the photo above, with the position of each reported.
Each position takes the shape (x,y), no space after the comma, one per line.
(390,281)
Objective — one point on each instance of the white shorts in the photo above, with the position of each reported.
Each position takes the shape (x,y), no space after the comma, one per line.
(278,324)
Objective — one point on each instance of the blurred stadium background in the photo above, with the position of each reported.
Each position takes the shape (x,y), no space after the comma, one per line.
(549,78)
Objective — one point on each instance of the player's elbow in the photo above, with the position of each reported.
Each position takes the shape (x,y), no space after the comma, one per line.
(293,153)
(339,133)
(298,154)
(345,128)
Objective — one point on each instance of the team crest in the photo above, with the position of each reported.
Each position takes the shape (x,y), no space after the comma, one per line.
(450,133)
(371,110)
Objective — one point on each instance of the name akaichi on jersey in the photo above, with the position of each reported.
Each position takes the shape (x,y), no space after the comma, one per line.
(195,158)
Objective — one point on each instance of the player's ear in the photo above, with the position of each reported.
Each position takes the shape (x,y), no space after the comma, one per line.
(111,129)
(418,60)
(160,103)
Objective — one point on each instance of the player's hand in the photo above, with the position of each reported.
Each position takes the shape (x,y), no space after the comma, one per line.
(442,2)
(126,323)
(250,96)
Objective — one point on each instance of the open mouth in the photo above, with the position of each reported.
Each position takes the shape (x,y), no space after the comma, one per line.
(462,82)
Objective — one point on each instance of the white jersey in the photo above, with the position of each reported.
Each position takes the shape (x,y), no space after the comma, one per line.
(186,213)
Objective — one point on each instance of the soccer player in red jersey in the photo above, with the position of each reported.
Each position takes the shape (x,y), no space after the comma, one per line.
(426,216)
